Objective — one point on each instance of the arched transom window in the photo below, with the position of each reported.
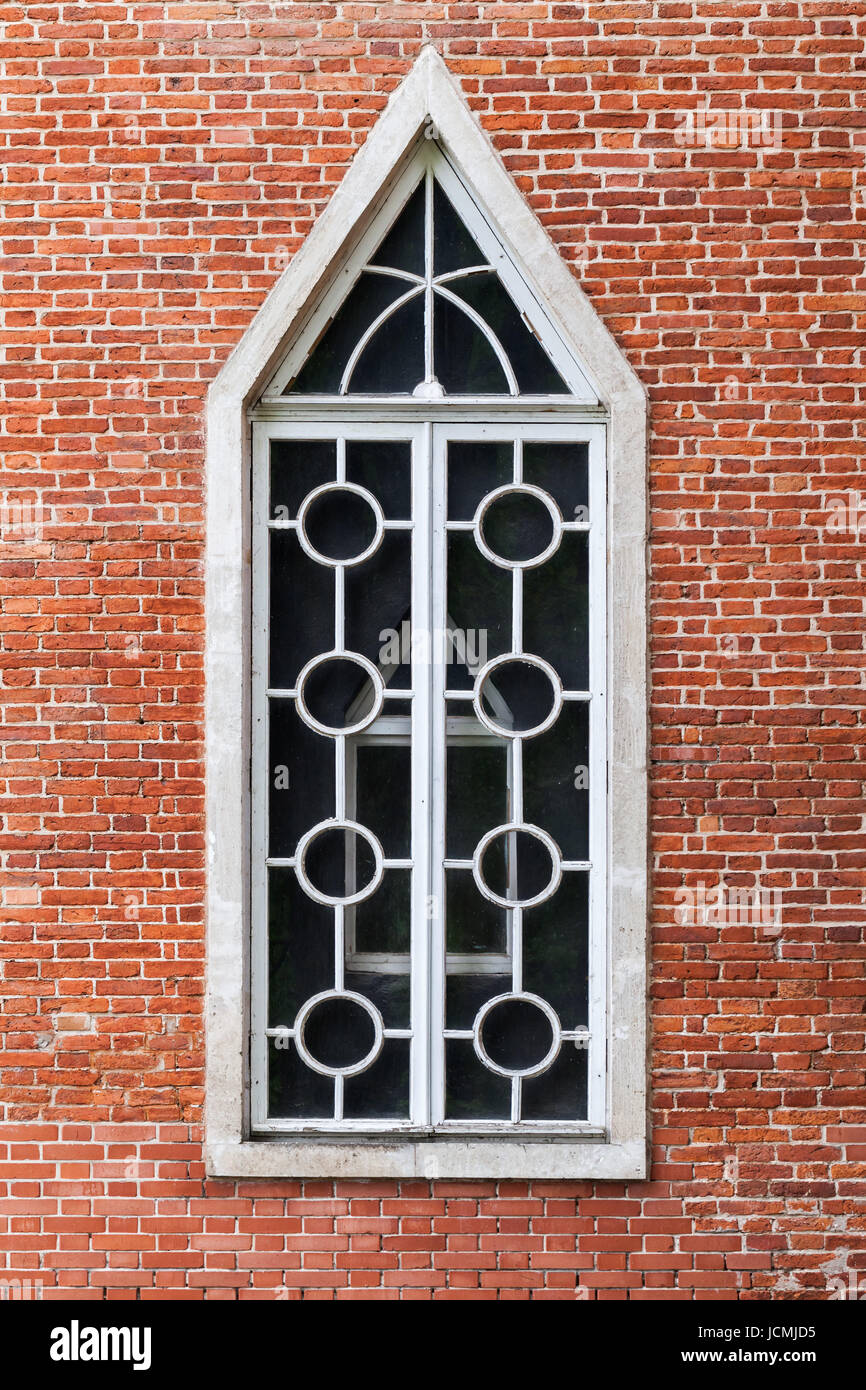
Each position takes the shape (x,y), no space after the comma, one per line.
(429,315)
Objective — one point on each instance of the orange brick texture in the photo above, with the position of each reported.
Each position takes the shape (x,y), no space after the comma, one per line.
(162,164)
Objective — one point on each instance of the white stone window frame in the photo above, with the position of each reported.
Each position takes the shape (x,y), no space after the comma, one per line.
(427,105)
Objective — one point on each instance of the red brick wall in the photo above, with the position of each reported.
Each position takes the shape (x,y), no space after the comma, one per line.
(212,135)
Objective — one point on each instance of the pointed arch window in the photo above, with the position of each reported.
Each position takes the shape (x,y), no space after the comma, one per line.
(435,870)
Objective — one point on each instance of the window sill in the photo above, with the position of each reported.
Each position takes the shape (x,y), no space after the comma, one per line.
(567,1159)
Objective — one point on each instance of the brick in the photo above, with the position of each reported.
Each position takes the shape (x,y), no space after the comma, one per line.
(729,276)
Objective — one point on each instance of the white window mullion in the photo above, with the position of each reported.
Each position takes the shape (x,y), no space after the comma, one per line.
(423,761)
(437,486)
(428,275)
(340,777)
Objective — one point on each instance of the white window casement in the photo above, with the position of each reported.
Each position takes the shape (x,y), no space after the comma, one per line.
(426,698)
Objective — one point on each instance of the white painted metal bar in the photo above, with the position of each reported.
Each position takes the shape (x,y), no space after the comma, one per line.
(422,794)
(470,525)
(397,274)
(428,276)
(388,1032)
(517,784)
(278,525)
(277,862)
(470,409)
(459,274)
(567,865)
(339,946)
(274,692)
(340,777)
(438,488)
(567,1034)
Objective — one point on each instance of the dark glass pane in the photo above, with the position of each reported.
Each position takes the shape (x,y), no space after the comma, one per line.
(479,598)
(300,947)
(556,611)
(393,360)
(464,652)
(382,1091)
(402,707)
(463,360)
(536,374)
(473,1091)
(340,863)
(339,1032)
(561,468)
(560,1093)
(555,950)
(516,865)
(340,525)
(453,247)
(473,924)
(298,466)
(403,246)
(476,467)
(465,994)
(382,466)
(517,526)
(301,778)
(301,609)
(323,370)
(378,599)
(382,921)
(477,796)
(525,695)
(383,801)
(394,658)
(390,993)
(556,780)
(295,1091)
(516,1034)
